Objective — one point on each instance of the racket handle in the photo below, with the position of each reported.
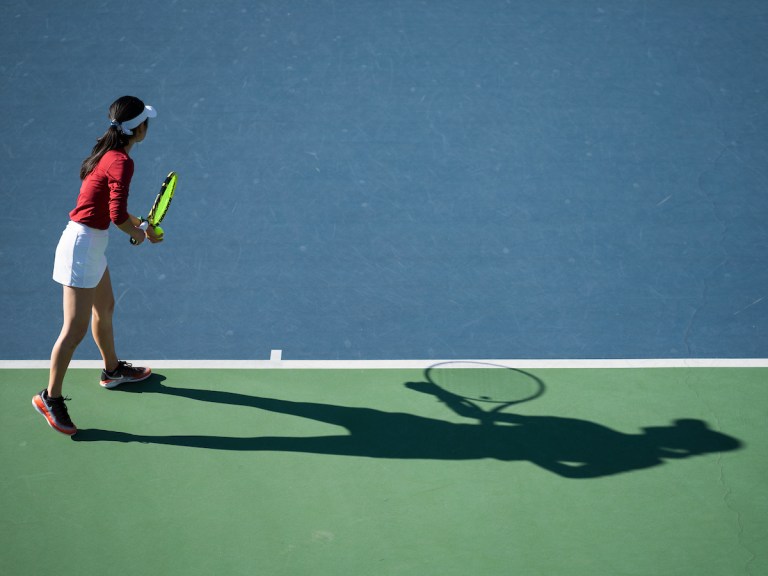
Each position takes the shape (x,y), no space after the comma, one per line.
(133,241)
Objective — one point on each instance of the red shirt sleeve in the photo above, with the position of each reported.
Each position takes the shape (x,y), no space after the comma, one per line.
(119,174)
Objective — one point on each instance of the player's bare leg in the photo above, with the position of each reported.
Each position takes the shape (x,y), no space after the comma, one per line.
(102,327)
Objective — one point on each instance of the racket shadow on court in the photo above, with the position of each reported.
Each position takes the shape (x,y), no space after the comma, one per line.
(569,447)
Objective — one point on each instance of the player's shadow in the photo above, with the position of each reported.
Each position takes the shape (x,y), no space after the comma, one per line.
(570,447)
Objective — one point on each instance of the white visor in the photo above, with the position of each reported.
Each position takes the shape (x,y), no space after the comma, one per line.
(128,126)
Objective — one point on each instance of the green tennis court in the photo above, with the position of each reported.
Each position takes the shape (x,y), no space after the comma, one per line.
(352,471)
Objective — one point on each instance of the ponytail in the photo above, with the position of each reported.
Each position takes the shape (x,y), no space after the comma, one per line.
(114,138)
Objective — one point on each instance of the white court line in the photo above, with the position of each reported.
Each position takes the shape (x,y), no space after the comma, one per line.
(408,364)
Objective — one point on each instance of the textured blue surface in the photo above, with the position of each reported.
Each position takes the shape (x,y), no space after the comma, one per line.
(436,179)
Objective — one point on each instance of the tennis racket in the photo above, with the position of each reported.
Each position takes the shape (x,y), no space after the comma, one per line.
(486,382)
(162,201)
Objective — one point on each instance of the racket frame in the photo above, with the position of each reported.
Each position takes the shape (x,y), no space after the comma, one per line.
(167,188)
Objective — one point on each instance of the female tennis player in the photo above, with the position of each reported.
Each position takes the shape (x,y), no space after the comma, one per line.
(81,266)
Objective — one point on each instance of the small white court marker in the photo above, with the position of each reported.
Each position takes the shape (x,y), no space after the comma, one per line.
(276,355)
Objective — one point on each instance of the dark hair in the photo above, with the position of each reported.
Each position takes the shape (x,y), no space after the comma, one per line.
(123,109)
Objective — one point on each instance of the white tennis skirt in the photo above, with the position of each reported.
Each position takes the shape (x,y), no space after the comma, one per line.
(81,256)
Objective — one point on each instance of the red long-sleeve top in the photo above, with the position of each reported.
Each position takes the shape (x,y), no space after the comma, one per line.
(104,192)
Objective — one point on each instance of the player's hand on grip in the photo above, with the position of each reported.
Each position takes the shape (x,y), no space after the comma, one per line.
(137,236)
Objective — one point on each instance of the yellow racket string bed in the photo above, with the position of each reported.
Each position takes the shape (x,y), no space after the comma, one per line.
(163,200)
(161,204)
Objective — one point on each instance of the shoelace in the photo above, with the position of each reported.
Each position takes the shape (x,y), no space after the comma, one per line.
(59,409)
(121,365)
